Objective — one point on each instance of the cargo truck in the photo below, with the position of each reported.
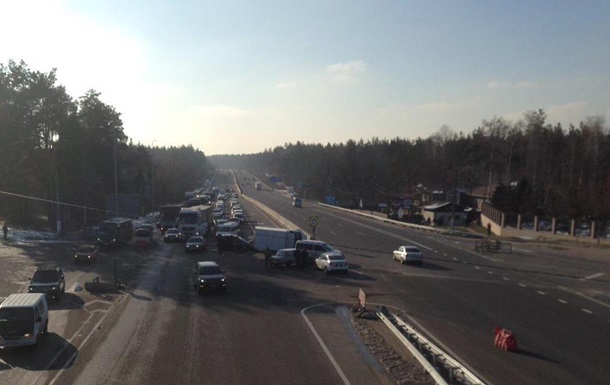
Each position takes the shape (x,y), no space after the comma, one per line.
(276,238)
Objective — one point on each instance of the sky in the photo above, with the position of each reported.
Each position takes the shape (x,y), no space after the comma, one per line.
(240,77)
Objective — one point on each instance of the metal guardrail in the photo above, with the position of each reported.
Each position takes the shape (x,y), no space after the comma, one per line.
(443,368)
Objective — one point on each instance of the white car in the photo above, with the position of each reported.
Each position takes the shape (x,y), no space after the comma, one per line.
(332,261)
(408,254)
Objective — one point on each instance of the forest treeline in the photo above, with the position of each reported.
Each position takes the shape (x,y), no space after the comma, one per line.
(526,167)
(56,148)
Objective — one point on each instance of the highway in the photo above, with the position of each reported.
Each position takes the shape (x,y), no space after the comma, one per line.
(290,326)
(545,295)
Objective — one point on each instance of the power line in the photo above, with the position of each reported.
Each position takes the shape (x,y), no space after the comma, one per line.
(8,193)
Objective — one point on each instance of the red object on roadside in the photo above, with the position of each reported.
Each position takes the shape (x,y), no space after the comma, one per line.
(505,339)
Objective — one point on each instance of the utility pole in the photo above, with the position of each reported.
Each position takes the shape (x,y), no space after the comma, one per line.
(116,182)
(152,178)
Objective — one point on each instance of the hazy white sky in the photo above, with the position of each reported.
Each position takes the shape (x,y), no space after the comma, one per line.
(234,77)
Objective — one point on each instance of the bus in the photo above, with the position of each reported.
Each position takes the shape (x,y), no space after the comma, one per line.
(115,232)
(193,220)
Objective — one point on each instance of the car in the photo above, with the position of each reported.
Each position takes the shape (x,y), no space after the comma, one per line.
(208,275)
(171,235)
(86,253)
(297,202)
(332,261)
(195,243)
(283,257)
(24,320)
(314,248)
(232,242)
(228,227)
(48,279)
(408,254)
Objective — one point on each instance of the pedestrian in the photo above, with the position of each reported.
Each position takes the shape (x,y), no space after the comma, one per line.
(267,254)
(304,258)
(4,230)
(297,257)
(221,245)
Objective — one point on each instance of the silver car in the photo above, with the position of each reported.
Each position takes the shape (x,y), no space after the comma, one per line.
(283,257)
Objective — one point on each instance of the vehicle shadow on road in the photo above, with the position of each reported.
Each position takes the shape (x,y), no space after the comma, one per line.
(36,358)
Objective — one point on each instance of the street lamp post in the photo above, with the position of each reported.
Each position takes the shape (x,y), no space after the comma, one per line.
(116,183)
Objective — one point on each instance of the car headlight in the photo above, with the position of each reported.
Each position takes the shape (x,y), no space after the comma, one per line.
(222,280)
(54,288)
(30,288)
(202,280)
(27,335)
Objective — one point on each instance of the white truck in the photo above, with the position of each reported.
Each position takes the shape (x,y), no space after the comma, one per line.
(276,238)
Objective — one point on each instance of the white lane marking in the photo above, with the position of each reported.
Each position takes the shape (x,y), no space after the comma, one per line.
(593,276)
(587,311)
(323,345)
(563,301)
(540,292)
(490,272)
(477,267)
(333,233)
(355,272)
(505,278)
(339,225)
(359,233)
(522,285)
(445,255)
(524,250)
(455,259)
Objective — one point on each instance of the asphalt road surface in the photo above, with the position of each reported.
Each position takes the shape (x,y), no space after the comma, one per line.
(289,326)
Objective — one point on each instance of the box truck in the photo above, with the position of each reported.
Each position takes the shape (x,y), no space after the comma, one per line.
(276,238)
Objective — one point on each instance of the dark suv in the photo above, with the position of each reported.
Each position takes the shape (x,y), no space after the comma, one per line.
(49,280)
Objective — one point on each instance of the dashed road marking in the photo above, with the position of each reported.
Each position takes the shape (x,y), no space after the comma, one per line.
(505,278)
(587,311)
(563,301)
(593,276)
(522,285)
(477,267)
(540,292)
(490,272)
(455,259)
(333,233)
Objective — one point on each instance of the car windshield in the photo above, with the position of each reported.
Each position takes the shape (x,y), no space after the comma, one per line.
(172,231)
(210,270)
(16,314)
(411,249)
(326,247)
(196,240)
(335,257)
(45,276)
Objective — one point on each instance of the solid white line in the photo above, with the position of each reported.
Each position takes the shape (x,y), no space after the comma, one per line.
(592,276)
(323,345)
(563,301)
(587,311)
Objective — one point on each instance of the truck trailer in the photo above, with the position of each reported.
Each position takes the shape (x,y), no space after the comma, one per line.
(276,238)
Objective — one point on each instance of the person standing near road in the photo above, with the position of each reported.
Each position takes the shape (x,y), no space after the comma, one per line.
(5,230)
(267,254)
(304,258)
